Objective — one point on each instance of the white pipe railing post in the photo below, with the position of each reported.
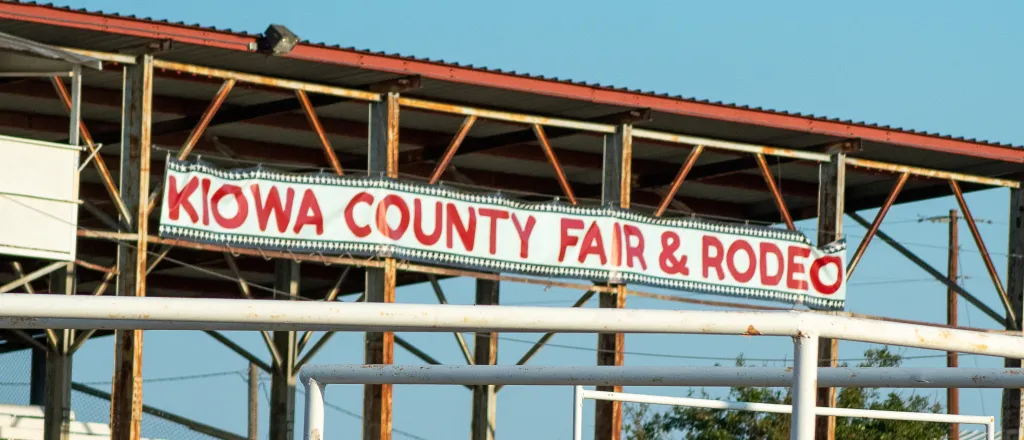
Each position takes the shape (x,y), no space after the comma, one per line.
(990,430)
(577,412)
(314,428)
(805,384)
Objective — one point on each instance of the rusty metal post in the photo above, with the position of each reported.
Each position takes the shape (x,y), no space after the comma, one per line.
(485,352)
(615,191)
(126,392)
(831,194)
(57,402)
(282,375)
(380,282)
(952,361)
(1012,416)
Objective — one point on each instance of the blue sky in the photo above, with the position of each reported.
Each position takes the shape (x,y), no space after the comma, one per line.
(942,66)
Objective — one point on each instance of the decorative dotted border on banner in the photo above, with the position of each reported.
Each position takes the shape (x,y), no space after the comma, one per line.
(376,250)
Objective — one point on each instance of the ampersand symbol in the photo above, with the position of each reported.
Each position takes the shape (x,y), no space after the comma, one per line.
(669,263)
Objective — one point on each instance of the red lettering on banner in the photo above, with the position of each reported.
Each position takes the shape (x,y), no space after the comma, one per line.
(668,261)
(494,215)
(767,249)
(433,237)
(467,230)
(817,266)
(382,216)
(309,213)
(272,205)
(709,243)
(730,260)
(593,244)
(793,268)
(565,240)
(178,200)
(350,220)
(634,250)
(616,244)
(240,213)
(206,203)
(524,234)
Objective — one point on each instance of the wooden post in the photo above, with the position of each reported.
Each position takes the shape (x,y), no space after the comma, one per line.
(380,282)
(485,352)
(615,191)
(282,377)
(126,392)
(37,379)
(57,402)
(953,394)
(1012,415)
(831,193)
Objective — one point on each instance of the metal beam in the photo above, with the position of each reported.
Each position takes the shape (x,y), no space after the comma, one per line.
(174,418)
(282,375)
(382,160)
(126,400)
(831,194)
(616,186)
(32,276)
(458,336)
(485,352)
(57,403)
(239,350)
(1013,414)
(931,270)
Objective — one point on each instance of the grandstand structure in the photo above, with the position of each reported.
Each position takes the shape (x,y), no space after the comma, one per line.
(168,115)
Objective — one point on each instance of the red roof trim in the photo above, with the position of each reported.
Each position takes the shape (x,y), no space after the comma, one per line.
(227,40)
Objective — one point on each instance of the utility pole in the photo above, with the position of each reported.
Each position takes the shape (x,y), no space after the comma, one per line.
(254,396)
(952,358)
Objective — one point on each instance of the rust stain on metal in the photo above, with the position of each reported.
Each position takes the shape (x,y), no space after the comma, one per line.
(751,331)
(314,123)
(769,179)
(678,181)
(563,181)
(204,120)
(453,147)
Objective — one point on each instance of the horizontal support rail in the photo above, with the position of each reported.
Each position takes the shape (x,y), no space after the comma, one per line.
(788,409)
(266,80)
(109,313)
(925,172)
(505,116)
(727,145)
(545,375)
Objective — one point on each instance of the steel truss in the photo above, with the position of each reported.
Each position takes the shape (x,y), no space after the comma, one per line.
(134,201)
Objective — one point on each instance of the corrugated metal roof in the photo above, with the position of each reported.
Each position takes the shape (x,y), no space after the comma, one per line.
(651,93)
(17,44)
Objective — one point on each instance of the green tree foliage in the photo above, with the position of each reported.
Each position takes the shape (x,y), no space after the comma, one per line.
(642,423)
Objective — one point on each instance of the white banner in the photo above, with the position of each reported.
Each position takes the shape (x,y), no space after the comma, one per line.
(381,217)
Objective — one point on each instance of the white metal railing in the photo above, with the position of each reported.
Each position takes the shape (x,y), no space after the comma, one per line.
(80,312)
(579,394)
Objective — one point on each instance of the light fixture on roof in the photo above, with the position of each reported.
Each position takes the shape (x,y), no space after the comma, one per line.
(277,40)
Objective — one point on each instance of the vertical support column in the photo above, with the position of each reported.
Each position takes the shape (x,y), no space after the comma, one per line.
(952,360)
(126,392)
(615,191)
(282,378)
(1012,415)
(805,380)
(382,160)
(485,352)
(831,193)
(37,379)
(57,402)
